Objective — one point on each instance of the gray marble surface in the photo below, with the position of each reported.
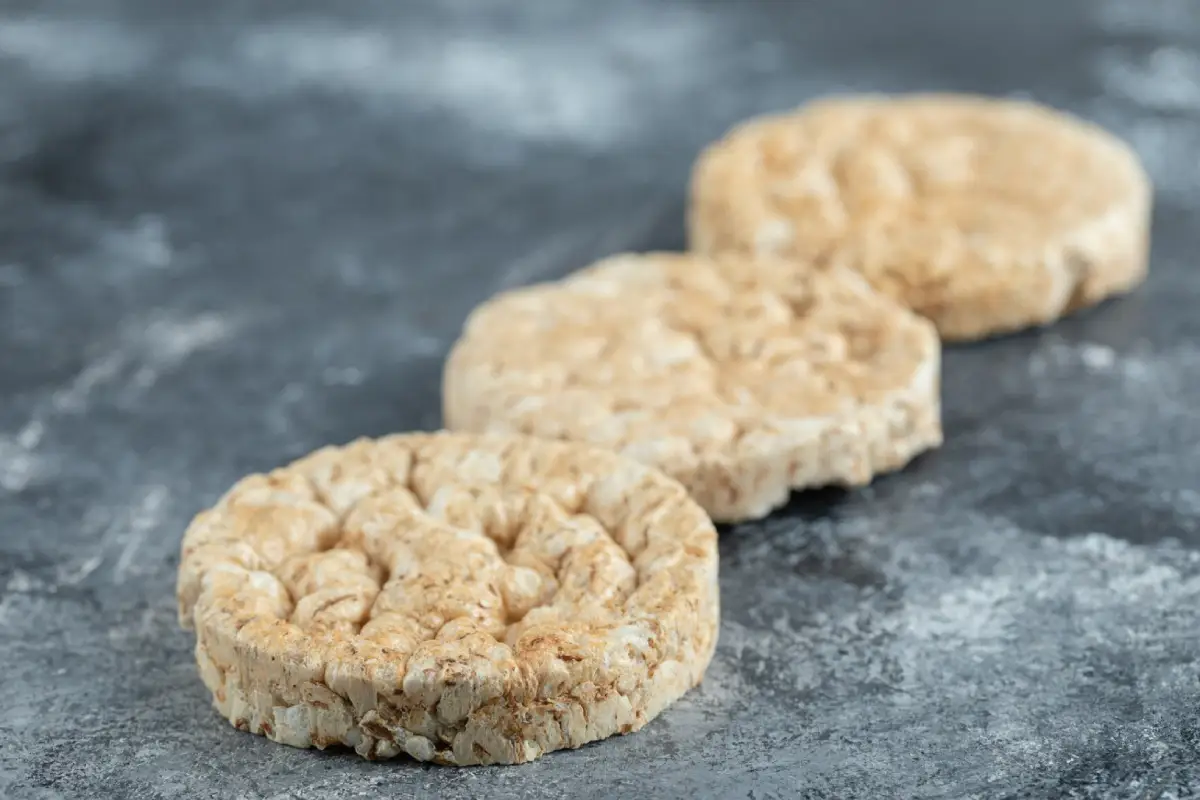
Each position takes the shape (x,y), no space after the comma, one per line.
(233,232)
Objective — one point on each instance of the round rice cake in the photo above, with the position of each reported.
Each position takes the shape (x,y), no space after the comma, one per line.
(984,215)
(742,380)
(461,599)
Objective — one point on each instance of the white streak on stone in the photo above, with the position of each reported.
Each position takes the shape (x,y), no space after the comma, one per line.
(1166,80)
(143,517)
(554,84)
(143,352)
(71,49)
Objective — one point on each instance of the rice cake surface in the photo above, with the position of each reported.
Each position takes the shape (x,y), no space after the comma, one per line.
(461,599)
(984,215)
(743,379)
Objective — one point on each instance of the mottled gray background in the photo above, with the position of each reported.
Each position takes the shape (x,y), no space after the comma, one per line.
(232,232)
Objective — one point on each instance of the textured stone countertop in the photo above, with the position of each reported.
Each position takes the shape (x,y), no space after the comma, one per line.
(231,233)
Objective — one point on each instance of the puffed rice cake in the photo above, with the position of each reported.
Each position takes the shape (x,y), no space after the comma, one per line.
(984,215)
(461,599)
(741,379)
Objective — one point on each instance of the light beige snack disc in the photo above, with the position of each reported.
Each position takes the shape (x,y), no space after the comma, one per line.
(741,380)
(461,599)
(983,215)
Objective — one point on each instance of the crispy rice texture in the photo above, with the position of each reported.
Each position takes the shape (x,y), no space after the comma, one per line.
(984,215)
(741,378)
(461,599)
